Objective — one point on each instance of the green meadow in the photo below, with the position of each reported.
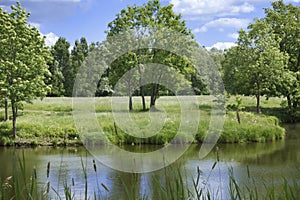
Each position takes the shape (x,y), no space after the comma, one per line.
(50,122)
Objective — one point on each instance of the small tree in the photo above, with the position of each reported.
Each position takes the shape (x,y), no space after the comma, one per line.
(23,62)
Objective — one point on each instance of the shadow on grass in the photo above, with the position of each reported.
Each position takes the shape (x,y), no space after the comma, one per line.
(280,113)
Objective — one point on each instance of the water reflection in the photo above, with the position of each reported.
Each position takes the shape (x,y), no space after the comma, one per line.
(268,163)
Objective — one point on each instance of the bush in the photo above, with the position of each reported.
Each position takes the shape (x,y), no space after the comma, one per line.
(6,141)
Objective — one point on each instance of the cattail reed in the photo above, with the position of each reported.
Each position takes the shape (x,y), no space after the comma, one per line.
(95,167)
(217,152)
(214,165)
(105,187)
(34,173)
(48,187)
(73,182)
(248,171)
(48,169)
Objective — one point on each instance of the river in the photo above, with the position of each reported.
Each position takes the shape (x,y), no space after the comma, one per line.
(264,163)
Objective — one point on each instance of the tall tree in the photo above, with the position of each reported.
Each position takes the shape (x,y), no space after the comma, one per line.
(89,74)
(284,20)
(78,55)
(61,55)
(256,65)
(129,77)
(24,59)
(56,80)
(3,52)
(143,21)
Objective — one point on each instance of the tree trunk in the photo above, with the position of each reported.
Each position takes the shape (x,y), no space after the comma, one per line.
(142,93)
(143,98)
(153,96)
(289,101)
(290,109)
(14,118)
(6,118)
(130,103)
(238,116)
(258,104)
(258,98)
(294,110)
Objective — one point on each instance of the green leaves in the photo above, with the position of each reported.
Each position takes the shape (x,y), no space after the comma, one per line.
(23,58)
(256,64)
(149,26)
(267,58)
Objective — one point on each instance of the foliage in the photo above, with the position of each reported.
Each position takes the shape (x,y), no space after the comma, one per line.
(56,80)
(61,55)
(78,54)
(143,22)
(283,19)
(266,60)
(256,65)
(24,59)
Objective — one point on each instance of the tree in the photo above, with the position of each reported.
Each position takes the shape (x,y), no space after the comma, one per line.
(61,55)
(284,21)
(24,59)
(143,21)
(56,79)
(89,74)
(256,65)
(78,55)
(129,77)
(3,37)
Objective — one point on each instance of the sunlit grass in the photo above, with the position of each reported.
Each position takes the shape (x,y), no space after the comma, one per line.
(51,120)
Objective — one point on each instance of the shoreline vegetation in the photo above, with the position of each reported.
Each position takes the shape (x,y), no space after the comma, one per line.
(50,123)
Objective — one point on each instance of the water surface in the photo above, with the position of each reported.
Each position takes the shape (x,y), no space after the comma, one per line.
(268,163)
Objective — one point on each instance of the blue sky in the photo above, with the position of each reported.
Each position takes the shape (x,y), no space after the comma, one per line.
(214,22)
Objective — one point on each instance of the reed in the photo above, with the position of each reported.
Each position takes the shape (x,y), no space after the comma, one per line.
(175,185)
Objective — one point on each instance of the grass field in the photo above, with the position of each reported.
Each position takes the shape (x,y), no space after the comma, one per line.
(50,122)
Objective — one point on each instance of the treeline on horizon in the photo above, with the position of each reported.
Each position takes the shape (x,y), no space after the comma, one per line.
(265,62)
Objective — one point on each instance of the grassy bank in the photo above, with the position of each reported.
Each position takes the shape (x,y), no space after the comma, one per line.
(50,122)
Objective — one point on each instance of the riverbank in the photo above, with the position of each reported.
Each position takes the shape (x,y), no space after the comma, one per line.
(50,122)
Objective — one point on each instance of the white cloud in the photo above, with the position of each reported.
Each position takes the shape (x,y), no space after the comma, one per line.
(50,10)
(292,1)
(75,1)
(224,23)
(50,39)
(36,25)
(222,45)
(4,7)
(209,7)
(233,35)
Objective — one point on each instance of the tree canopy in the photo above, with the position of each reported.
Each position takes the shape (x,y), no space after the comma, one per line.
(23,60)
(143,22)
(266,60)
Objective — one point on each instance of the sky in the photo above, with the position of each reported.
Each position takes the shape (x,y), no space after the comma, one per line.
(215,23)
